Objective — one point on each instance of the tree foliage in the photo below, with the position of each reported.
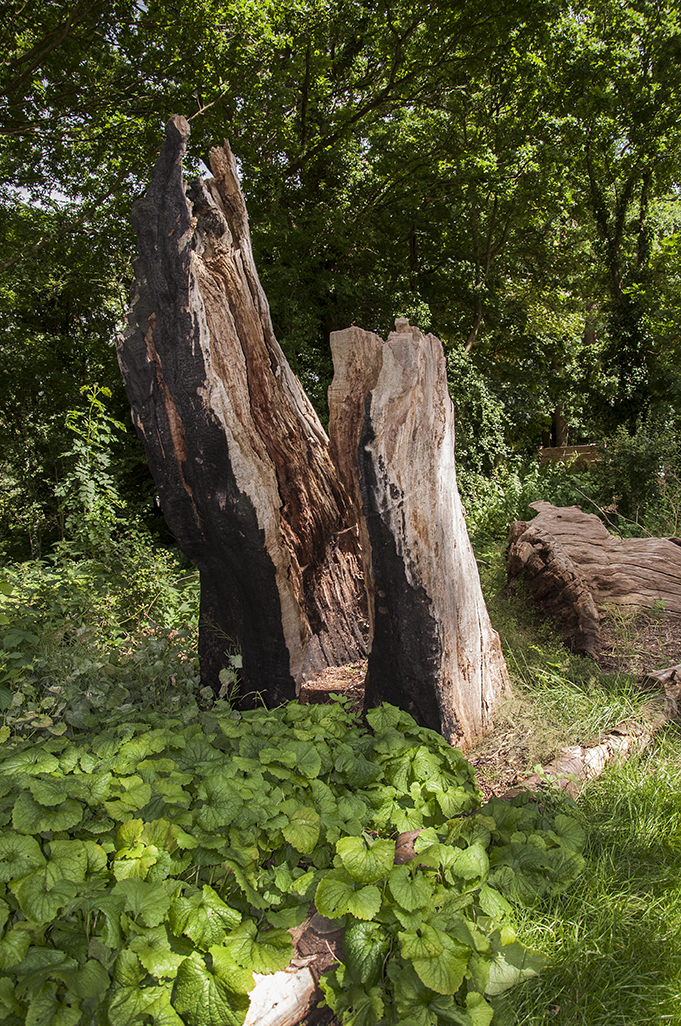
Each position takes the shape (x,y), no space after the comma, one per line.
(506,176)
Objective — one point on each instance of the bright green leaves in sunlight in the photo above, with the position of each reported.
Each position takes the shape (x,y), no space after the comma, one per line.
(149,871)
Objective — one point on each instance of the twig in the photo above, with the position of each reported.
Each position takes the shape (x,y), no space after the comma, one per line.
(600,510)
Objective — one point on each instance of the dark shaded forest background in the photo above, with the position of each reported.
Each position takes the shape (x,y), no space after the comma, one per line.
(505,175)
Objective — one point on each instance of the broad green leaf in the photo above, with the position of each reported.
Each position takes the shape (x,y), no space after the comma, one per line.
(265,952)
(355,769)
(337,893)
(221,802)
(49,790)
(352,813)
(9,1003)
(365,948)
(444,973)
(569,832)
(204,917)
(470,863)
(133,796)
(72,858)
(128,970)
(405,819)
(308,762)
(31,759)
(29,817)
(365,903)
(481,1014)
(424,942)
(138,748)
(453,801)
(386,716)
(148,901)
(302,832)
(135,861)
(410,890)
(510,964)
(20,854)
(202,998)
(46,1007)
(152,947)
(236,979)
(494,904)
(13,947)
(333,893)
(366,864)
(91,788)
(42,894)
(130,1004)
(90,980)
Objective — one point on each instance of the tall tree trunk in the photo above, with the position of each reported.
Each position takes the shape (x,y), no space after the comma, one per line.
(239,457)
(306,548)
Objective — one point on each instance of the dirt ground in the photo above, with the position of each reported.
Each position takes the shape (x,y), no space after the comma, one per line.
(636,642)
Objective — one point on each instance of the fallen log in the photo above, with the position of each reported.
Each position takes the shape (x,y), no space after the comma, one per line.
(289,996)
(576,766)
(575,570)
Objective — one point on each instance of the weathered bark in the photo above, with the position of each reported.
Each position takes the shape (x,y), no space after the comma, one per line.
(286,528)
(287,997)
(239,457)
(434,651)
(576,570)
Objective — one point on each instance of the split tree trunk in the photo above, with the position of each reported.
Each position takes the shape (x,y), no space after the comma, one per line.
(309,552)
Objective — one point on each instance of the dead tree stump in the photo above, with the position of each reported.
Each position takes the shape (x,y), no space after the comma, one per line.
(434,652)
(310,552)
(575,570)
(239,457)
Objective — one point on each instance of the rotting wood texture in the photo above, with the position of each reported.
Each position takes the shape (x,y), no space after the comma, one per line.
(239,457)
(311,552)
(575,570)
(434,652)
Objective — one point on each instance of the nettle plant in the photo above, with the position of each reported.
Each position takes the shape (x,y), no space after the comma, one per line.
(148,870)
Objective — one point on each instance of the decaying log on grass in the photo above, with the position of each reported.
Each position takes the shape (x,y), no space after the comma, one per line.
(576,766)
(239,457)
(434,652)
(575,570)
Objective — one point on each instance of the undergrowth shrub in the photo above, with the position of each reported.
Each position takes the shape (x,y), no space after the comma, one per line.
(77,632)
(492,503)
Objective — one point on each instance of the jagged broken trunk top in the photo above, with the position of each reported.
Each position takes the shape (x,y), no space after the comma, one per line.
(283,525)
(239,457)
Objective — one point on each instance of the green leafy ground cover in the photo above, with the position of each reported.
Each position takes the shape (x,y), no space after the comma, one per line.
(155,846)
(149,867)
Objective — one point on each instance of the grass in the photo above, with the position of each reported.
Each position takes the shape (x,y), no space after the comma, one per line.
(559,699)
(614,940)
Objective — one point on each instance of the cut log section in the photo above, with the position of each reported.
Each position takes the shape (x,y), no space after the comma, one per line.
(575,570)
(434,652)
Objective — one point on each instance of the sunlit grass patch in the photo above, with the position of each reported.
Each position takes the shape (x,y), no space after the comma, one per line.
(614,939)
